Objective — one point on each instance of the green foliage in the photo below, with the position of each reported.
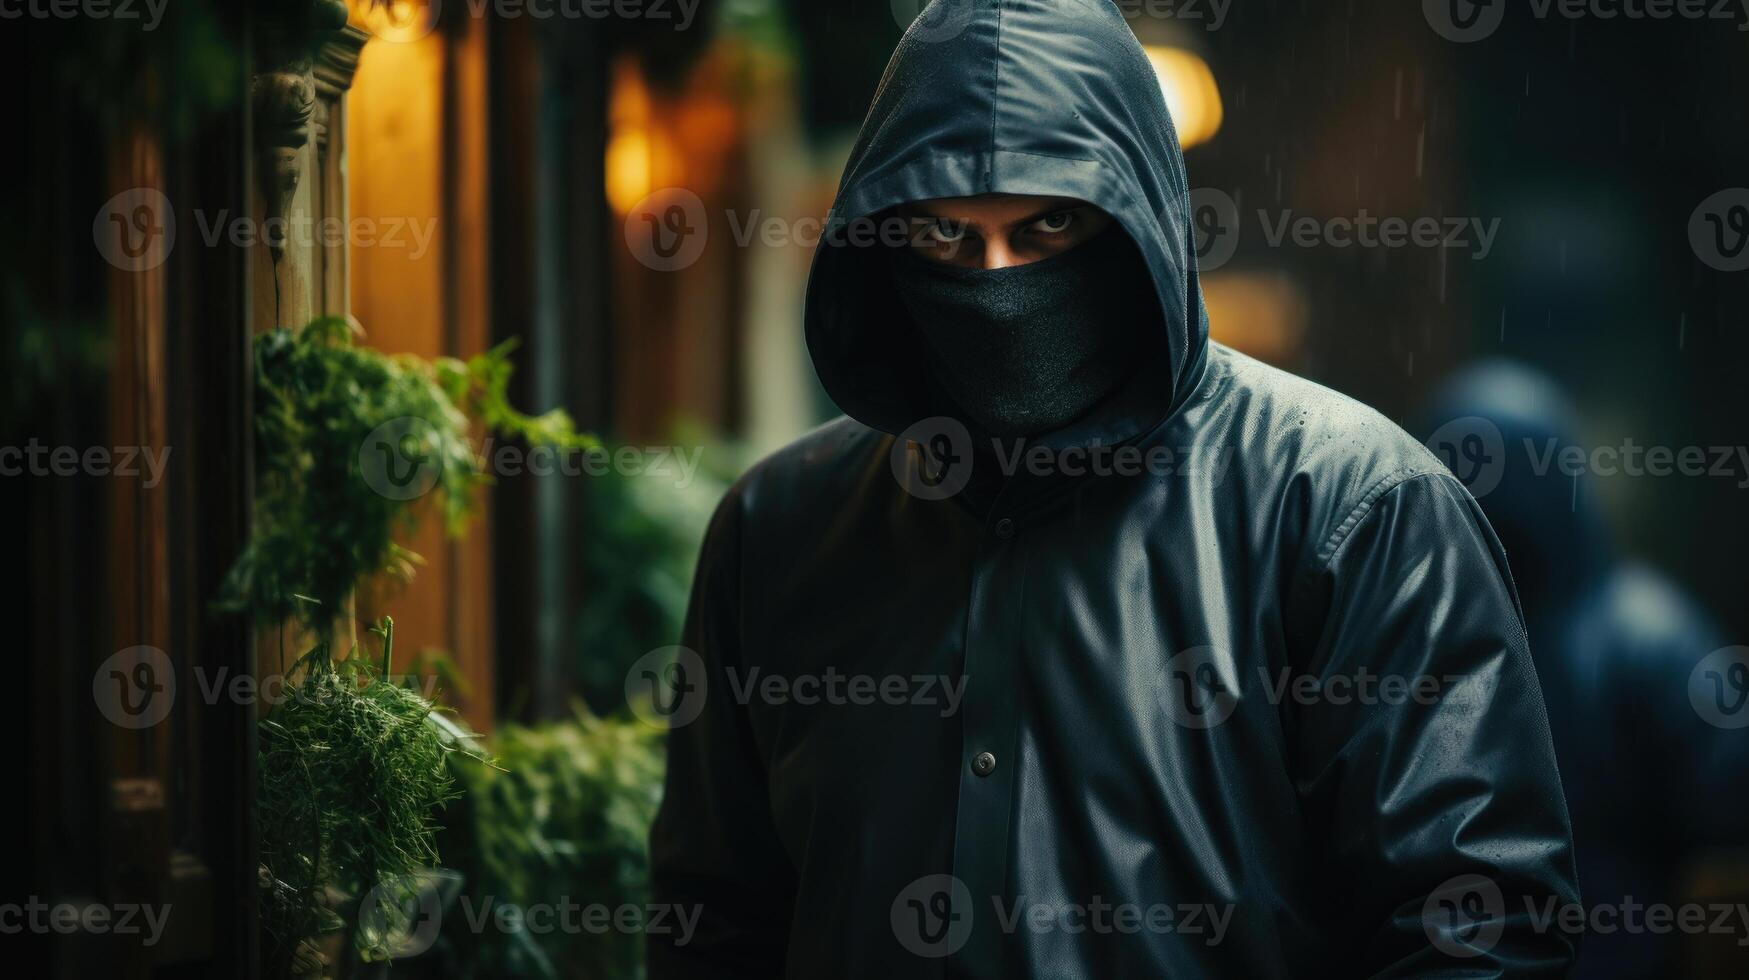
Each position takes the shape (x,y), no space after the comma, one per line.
(40,356)
(324,408)
(351,774)
(638,560)
(480,385)
(353,768)
(565,819)
(320,527)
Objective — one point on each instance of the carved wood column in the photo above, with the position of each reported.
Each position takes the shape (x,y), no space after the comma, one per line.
(308,54)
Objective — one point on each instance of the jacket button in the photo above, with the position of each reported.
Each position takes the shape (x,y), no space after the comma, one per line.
(1005,528)
(984,764)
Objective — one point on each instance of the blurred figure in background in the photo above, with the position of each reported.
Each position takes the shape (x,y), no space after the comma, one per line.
(1651,784)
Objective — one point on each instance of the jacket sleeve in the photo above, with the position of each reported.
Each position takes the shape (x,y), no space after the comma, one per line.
(714,851)
(1450,840)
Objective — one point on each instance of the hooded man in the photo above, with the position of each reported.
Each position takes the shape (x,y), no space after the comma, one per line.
(1134,657)
(1654,780)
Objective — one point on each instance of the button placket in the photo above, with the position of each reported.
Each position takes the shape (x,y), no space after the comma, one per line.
(990,721)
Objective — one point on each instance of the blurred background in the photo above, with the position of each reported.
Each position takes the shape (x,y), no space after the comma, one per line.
(631,193)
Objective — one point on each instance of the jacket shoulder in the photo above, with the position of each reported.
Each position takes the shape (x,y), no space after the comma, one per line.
(1319,429)
(1323,458)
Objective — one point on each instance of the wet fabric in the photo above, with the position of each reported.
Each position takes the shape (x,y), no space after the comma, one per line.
(1112,717)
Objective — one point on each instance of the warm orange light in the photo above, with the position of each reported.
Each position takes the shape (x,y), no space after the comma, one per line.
(1191,93)
(642,157)
(398,21)
(1262,314)
(630,163)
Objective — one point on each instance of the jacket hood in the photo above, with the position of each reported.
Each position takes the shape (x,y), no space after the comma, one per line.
(1037,97)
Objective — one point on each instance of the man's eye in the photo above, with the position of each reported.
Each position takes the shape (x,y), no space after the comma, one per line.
(1055,224)
(947,232)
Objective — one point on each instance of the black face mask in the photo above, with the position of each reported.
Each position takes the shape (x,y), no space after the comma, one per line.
(1028,349)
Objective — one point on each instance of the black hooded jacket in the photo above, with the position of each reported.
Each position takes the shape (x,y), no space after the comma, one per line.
(1261,709)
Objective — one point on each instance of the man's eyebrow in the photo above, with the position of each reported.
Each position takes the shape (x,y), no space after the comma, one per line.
(1054,209)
